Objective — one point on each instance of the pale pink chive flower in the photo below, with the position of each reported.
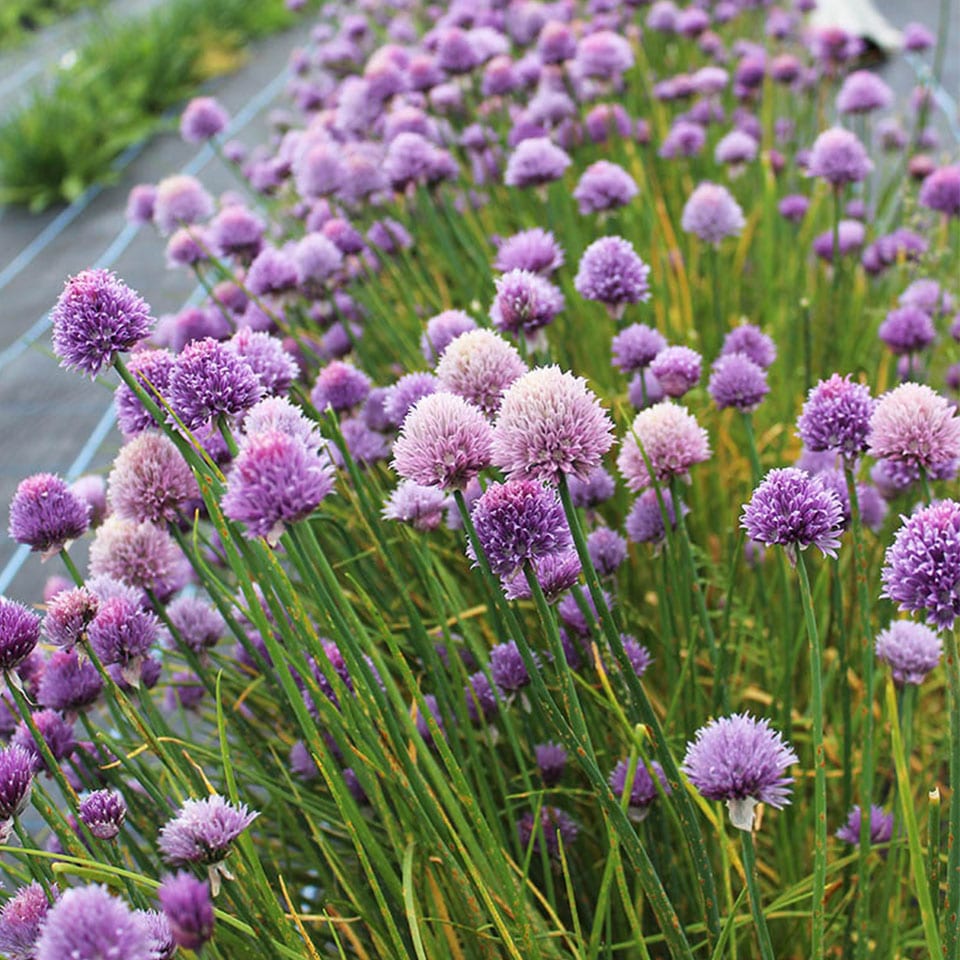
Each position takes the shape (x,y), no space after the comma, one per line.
(139,555)
(88,923)
(838,157)
(150,480)
(96,317)
(911,649)
(915,426)
(550,424)
(479,366)
(672,440)
(422,507)
(712,214)
(68,615)
(45,514)
(91,488)
(274,481)
(21,920)
(444,442)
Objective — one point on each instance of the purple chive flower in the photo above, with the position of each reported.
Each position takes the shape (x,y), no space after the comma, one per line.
(921,570)
(741,760)
(21,919)
(341,386)
(907,330)
(273,271)
(604,186)
(712,214)
(103,813)
(479,366)
(203,831)
(150,480)
(534,162)
(151,369)
(444,442)
(917,38)
(92,490)
(422,507)
(19,633)
(202,119)
(644,390)
(793,207)
(409,390)
(316,259)
(237,232)
(611,272)
(881,826)
(17,767)
(68,615)
(736,149)
(677,369)
(941,191)
(412,159)
(927,295)
(140,203)
(555,572)
(607,550)
(517,521)
(96,317)
(597,487)
(836,416)
(794,509)
(442,330)
(579,622)
(68,684)
(557,827)
(850,237)
(180,201)
(480,698)
(551,762)
(162,946)
(672,440)
(507,667)
(635,347)
(188,908)
(273,366)
(644,523)
(275,480)
(88,923)
(643,790)
(535,250)
(278,413)
(911,649)
(736,381)
(139,555)
(45,514)
(603,55)
(550,424)
(525,302)
(684,139)
(838,157)
(863,92)
(753,342)
(57,734)
(123,633)
(209,381)
(915,426)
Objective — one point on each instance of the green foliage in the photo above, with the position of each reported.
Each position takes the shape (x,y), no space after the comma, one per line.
(20,18)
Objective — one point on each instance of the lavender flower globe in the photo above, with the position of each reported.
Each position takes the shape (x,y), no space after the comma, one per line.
(273,365)
(644,523)
(21,919)
(643,790)
(921,570)
(535,250)
(524,303)
(421,507)
(863,92)
(554,572)
(556,827)
(479,366)
(836,417)
(915,426)
(123,633)
(275,480)
(203,831)
(741,760)
(518,521)
(794,509)
(604,186)
(441,330)
(635,347)
(202,119)
(138,554)
(96,317)
(19,633)
(677,369)
(444,442)
(534,162)
(208,381)
(737,382)
(712,214)
(68,684)
(162,946)
(16,778)
(907,330)
(103,813)
(151,369)
(45,514)
(881,826)
(611,272)
(89,923)
(150,480)
(941,191)
(838,157)
(188,909)
(550,424)
(180,201)
(911,649)
(404,395)
(672,440)
(507,667)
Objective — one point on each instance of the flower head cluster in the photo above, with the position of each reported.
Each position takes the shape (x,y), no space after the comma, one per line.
(535,250)
(916,426)
(611,272)
(19,633)
(525,302)
(45,513)
(550,424)
(677,370)
(794,509)
(911,649)
(712,214)
(672,441)
(535,161)
(604,186)
(21,918)
(635,347)
(97,317)
(103,813)
(150,480)
(736,381)
(881,826)
(203,831)
(741,760)
(921,570)
(188,909)
(836,416)
(838,157)
(479,365)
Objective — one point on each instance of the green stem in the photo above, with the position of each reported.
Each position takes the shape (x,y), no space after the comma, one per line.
(952,666)
(71,568)
(756,906)
(820,773)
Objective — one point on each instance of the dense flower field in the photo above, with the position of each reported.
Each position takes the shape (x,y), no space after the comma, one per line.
(452,595)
